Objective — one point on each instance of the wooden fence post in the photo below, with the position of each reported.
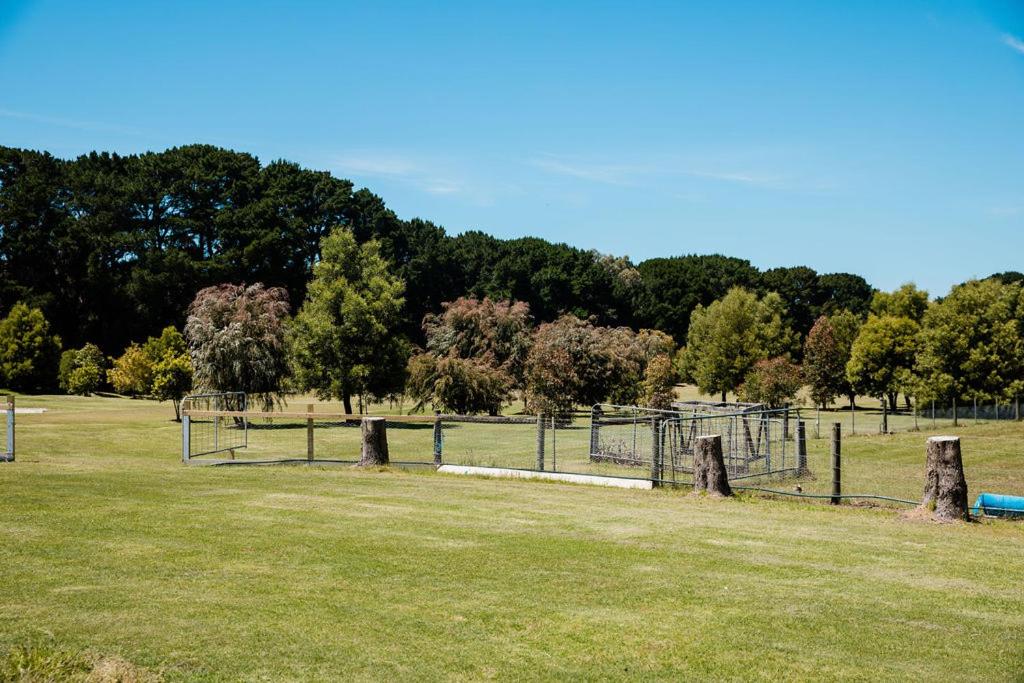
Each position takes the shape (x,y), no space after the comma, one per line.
(837,488)
(801,447)
(540,441)
(309,433)
(437,438)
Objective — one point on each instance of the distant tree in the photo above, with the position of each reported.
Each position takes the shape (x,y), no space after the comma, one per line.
(825,363)
(972,343)
(800,290)
(659,383)
(906,302)
(728,337)
(70,380)
(773,382)
(346,338)
(236,340)
(457,385)
(568,365)
(172,379)
(1008,277)
(845,328)
(845,292)
(496,333)
(132,373)
(28,352)
(882,357)
(673,287)
(170,342)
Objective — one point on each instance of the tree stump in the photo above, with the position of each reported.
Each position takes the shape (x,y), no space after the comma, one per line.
(945,488)
(375,442)
(709,472)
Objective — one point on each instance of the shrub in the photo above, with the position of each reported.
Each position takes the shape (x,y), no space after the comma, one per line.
(28,352)
(458,385)
(73,360)
(659,383)
(132,373)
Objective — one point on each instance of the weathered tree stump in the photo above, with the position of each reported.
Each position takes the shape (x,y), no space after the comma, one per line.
(945,488)
(709,472)
(375,442)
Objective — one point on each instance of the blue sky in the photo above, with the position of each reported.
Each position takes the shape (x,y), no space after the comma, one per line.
(882,138)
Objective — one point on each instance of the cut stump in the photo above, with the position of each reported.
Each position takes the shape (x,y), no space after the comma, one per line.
(375,442)
(945,488)
(709,472)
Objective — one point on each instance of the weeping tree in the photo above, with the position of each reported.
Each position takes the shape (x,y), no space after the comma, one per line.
(236,340)
(345,340)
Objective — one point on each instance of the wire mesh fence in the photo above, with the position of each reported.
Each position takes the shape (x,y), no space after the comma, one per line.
(214,424)
(761,450)
(911,416)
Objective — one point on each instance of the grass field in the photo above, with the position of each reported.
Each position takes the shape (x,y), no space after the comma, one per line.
(110,545)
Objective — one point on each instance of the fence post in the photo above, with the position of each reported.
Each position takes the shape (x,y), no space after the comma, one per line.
(437,438)
(785,423)
(10,428)
(595,427)
(540,441)
(885,416)
(186,433)
(1016,408)
(975,410)
(656,474)
(309,432)
(801,447)
(554,443)
(837,488)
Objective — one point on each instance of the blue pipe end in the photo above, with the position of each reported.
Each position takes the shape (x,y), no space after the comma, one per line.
(998,505)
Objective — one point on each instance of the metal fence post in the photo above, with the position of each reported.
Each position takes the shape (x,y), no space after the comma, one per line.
(540,441)
(554,443)
(309,433)
(801,447)
(837,488)
(595,427)
(10,428)
(437,438)
(186,447)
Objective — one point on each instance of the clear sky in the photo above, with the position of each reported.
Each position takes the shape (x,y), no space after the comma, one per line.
(882,138)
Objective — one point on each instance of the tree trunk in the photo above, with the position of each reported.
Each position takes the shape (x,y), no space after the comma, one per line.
(346,400)
(945,488)
(956,416)
(375,442)
(709,472)
(177,410)
(723,397)
(892,401)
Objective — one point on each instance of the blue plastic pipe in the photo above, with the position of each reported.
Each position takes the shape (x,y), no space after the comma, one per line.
(998,505)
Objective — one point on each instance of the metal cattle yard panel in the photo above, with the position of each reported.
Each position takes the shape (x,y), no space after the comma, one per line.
(204,434)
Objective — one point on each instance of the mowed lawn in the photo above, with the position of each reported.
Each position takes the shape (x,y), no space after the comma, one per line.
(110,545)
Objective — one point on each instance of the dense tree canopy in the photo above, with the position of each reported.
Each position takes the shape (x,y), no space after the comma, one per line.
(112,248)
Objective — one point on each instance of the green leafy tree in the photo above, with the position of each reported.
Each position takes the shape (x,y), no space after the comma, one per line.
(773,382)
(845,328)
(74,359)
(84,379)
(170,342)
(568,365)
(972,343)
(172,379)
(659,383)
(346,339)
(728,337)
(906,302)
(132,373)
(882,358)
(28,351)
(236,340)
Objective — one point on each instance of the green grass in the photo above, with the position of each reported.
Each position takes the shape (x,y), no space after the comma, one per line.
(110,545)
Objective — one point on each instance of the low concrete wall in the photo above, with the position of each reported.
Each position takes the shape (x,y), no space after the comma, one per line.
(592,479)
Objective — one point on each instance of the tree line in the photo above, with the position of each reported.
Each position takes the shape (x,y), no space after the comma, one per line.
(201,266)
(113,249)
